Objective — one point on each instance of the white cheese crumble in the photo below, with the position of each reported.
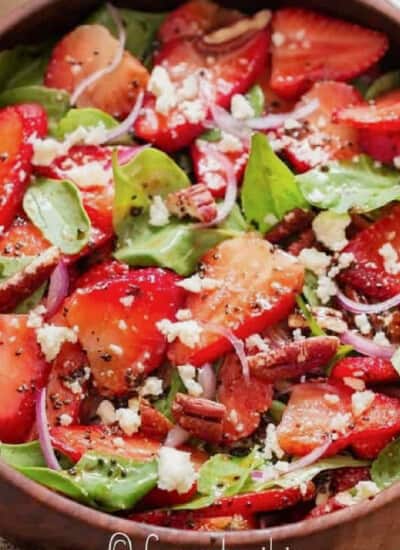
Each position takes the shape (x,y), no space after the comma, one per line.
(161,86)
(330,229)
(188,332)
(175,470)
(197,284)
(255,341)
(35,317)
(65,420)
(159,213)
(364,490)
(326,289)
(106,412)
(241,108)
(361,401)
(314,260)
(272,447)
(390,259)
(362,323)
(52,337)
(194,111)
(229,144)
(152,386)
(129,420)
(92,174)
(380,339)
(188,376)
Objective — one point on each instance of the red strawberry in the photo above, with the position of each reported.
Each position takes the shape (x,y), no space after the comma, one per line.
(210,171)
(369,448)
(318,139)
(35,119)
(381,146)
(87,49)
(195,18)
(117,325)
(332,505)
(194,522)
(373,370)
(367,273)
(220,74)
(309,46)
(249,296)
(22,239)
(381,114)
(244,400)
(344,479)
(23,371)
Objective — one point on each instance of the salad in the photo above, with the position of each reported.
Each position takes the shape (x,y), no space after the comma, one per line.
(199,265)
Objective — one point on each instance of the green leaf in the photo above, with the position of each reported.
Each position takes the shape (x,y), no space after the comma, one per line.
(256,98)
(385,83)
(32,301)
(55,207)
(276,410)
(314,327)
(310,289)
(86,118)
(214,135)
(10,265)
(55,102)
(164,405)
(347,185)
(141,28)
(385,469)
(24,65)
(269,189)
(25,454)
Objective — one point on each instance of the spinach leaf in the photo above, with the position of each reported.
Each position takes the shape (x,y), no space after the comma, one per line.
(87,118)
(310,289)
(24,65)
(213,135)
(55,207)
(385,83)
(347,185)
(256,98)
(314,327)
(55,102)
(32,301)
(269,189)
(164,405)
(22,455)
(385,470)
(141,28)
(9,265)
(276,410)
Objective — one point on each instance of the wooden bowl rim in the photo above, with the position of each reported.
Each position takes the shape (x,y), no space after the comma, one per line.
(181,538)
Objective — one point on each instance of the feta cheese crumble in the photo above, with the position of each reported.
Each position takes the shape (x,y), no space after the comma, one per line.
(175,470)
(129,420)
(390,259)
(52,337)
(272,447)
(314,260)
(361,401)
(188,332)
(188,377)
(241,108)
(330,229)
(152,386)
(161,85)
(197,284)
(159,213)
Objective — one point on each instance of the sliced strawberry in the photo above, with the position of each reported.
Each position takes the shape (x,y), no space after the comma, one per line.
(309,46)
(372,370)
(195,18)
(367,274)
(158,498)
(221,74)
(344,479)
(67,384)
(23,371)
(249,296)
(368,449)
(210,171)
(82,52)
(153,422)
(381,114)
(35,119)
(244,400)
(273,102)
(22,239)
(381,146)
(332,505)
(117,325)
(104,271)
(318,139)
(194,521)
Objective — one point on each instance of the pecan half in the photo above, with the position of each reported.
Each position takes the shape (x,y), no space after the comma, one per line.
(25,282)
(306,239)
(326,317)
(293,359)
(292,223)
(200,417)
(195,201)
(154,423)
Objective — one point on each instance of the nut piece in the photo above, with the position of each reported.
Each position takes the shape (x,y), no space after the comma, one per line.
(293,359)
(154,423)
(195,201)
(201,417)
(242,27)
(292,223)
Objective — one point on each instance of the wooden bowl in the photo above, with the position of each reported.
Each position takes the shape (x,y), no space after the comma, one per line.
(37,518)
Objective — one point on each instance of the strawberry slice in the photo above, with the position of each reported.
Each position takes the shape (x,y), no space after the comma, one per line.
(23,371)
(67,384)
(34,117)
(381,146)
(344,479)
(370,273)
(316,139)
(117,325)
(22,239)
(381,114)
(372,370)
(318,410)
(244,400)
(309,46)
(248,296)
(210,171)
(195,18)
(90,48)
(193,521)
(217,73)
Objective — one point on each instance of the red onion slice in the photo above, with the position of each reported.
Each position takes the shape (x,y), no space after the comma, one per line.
(43,431)
(58,289)
(227,123)
(94,77)
(273,121)
(126,154)
(127,123)
(176,437)
(357,307)
(236,343)
(366,346)
(208,381)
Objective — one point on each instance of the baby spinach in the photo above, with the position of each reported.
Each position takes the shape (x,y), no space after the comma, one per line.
(360,185)
(164,405)
(276,410)
(86,118)
(31,301)
(385,470)
(24,65)
(269,188)
(55,207)
(141,28)
(10,265)
(385,83)
(256,98)
(22,455)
